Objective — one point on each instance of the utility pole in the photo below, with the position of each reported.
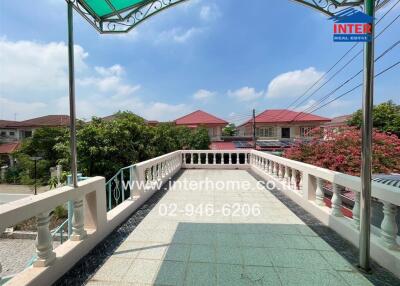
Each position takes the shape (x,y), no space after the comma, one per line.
(254,129)
(366,150)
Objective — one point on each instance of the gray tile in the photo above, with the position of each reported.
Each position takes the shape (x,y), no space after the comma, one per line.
(337,261)
(142,271)
(113,270)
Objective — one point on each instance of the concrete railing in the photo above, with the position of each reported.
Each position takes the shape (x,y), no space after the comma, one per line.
(216,159)
(91,221)
(304,184)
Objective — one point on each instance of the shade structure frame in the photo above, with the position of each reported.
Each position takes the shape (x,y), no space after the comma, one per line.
(113,19)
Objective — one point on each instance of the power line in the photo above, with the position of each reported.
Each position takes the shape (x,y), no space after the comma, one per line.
(357,86)
(337,62)
(355,56)
(345,82)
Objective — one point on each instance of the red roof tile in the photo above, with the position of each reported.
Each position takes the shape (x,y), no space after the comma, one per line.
(199,117)
(48,120)
(285,115)
(6,123)
(8,148)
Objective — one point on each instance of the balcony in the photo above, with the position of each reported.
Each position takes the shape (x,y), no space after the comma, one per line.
(238,217)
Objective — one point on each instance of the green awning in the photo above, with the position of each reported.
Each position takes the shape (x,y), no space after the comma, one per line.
(101,8)
(121,16)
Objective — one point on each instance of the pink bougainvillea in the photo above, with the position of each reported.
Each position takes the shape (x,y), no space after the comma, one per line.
(341,151)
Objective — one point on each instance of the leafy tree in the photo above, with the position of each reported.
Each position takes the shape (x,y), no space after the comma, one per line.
(341,151)
(386,117)
(229,130)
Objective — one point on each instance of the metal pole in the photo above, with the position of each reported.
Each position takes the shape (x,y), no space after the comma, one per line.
(35,177)
(254,130)
(72,111)
(366,151)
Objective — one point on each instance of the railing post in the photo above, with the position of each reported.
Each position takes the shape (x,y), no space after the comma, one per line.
(122,185)
(78,231)
(286,177)
(319,193)
(206,158)
(356,211)
(300,184)
(237,158)
(214,161)
(191,158)
(293,178)
(44,243)
(230,158)
(282,172)
(336,200)
(389,226)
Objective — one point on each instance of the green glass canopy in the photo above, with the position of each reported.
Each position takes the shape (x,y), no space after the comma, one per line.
(121,16)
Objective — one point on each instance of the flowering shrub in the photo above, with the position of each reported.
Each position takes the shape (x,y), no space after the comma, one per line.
(341,151)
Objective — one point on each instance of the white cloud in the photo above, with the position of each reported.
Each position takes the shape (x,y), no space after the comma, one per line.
(292,83)
(32,68)
(178,35)
(209,12)
(203,95)
(245,94)
(34,82)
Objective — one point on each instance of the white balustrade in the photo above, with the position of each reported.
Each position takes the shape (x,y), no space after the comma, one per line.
(44,241)
(389,227)
(319,192)
(336,200)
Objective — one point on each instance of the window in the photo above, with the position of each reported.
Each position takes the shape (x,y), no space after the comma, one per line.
(305,131)
(12,133)
(265,132)
(3,133)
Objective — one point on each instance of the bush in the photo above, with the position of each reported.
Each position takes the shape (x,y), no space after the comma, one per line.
(341,151)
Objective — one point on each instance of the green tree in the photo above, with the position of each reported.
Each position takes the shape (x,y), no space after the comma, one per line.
(386,117)
(229,130)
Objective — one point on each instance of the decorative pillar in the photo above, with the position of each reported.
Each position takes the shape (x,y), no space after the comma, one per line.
(214,161)
(356,210)
(389,227)
(237,159)
(319,193)
(206,158)
(78,231)
(191,158)
(286,177)
(44,242)
(230,158)
(300,184)
(293,178)
(336,200)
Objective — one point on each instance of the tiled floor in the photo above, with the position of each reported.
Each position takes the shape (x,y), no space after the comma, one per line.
(232,235)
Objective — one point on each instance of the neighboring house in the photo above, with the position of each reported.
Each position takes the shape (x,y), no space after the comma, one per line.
(6,151)
(337,122)
(12,131)
(200,118)
(276,124)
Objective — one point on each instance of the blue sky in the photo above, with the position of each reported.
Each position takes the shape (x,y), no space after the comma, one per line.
(213,55)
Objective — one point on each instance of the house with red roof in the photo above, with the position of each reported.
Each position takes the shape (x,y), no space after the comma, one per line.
(200,118)
(11,131)
(276,124)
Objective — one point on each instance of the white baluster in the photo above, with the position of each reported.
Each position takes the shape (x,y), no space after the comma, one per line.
(293,179)
(206,158)
(356,210)
(214,161)
(270,167)
(300,185)
(336,200)
(230,158)
(78,230)
(389,227)
(191,158)
(319,193)
(44,243)
(287,177)
(281,172)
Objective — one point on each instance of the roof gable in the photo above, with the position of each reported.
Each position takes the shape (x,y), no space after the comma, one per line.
(199,117)
(285,116)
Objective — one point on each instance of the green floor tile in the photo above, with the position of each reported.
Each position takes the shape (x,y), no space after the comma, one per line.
(259,275)
(178,252)
(202,253)
(256,256)
(298,259)
(199,274)
(171,273)
(229,255)
(307,277)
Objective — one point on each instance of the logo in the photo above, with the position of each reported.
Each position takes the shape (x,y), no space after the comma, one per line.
(352,25)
